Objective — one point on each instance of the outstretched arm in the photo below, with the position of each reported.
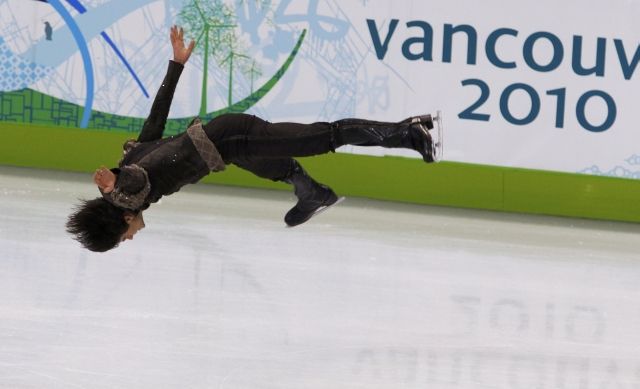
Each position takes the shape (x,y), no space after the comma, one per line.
(154,125)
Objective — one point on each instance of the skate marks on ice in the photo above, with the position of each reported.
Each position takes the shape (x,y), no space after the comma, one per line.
(214,293)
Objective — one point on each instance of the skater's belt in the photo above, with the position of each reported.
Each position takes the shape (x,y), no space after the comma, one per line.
(205,147)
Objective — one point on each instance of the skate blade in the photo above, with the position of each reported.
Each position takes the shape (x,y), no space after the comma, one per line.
(322,209)
(438,144)
(319,210)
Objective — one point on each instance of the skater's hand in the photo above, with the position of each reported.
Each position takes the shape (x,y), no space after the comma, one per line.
(105,179)
(181,53)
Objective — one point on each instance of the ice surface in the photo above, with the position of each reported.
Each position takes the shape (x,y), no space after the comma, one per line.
(217,293)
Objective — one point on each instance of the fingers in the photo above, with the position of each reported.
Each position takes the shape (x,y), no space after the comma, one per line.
(97,176)
(175,35)
(103,179)
(100,172)
(181,52)
(99,181)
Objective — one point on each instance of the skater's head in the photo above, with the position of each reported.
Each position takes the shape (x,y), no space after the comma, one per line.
(100,226)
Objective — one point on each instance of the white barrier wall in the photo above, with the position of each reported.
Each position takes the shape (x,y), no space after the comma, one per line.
(533,84)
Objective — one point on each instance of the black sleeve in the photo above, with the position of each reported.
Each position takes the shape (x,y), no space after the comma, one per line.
(131,189)
(154,125)
(131,179)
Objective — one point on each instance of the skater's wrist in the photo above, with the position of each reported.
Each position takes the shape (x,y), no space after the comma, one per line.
(176,63)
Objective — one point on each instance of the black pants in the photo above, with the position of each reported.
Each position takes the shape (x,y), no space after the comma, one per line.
(266,149)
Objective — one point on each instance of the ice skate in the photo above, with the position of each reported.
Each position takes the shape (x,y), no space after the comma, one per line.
(415,133)
(305,210)
(313,197)
(428,145)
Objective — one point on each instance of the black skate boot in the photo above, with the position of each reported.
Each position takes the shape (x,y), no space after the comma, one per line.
(424,142)
(313,197)
(411,133)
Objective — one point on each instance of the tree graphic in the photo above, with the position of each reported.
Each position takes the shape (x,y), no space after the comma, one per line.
(253,72)
(229,58)
(218,39)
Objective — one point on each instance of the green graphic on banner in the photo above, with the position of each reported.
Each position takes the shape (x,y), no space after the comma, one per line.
(30,106)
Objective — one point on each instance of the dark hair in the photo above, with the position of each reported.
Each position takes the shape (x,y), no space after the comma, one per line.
(97,224)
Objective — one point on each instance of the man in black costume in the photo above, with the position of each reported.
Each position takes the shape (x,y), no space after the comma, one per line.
(153,166)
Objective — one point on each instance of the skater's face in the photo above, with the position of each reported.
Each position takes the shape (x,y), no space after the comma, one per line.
(135,222)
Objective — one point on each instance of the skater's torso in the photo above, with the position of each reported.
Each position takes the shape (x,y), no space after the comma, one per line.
(153,166)
(170,164)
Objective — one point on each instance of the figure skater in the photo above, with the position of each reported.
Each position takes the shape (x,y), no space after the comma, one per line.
(153,166)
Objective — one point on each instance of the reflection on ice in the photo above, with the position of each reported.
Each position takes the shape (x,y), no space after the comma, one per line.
(217,293)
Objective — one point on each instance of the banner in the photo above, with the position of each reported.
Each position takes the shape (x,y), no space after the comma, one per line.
(544,85)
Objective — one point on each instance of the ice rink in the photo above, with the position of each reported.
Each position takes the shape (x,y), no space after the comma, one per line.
(217,293)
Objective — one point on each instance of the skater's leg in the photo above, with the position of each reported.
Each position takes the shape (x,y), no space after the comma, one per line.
(241,135)
(274,169)
(411,133)
(311,195)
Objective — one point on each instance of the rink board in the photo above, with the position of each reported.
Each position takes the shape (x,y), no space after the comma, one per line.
(384,178)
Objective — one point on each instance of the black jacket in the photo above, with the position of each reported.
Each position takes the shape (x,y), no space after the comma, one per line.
(153,167)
